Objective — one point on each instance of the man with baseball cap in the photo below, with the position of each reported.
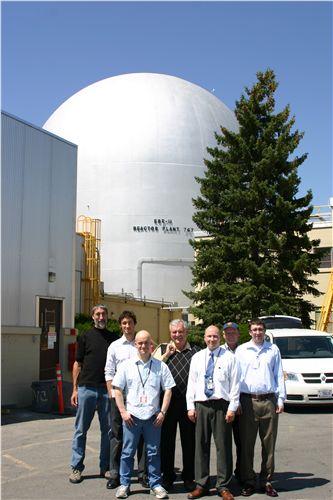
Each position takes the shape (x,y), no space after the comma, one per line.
(231,337)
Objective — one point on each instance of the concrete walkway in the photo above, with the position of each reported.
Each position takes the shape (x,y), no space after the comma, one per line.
(36,452)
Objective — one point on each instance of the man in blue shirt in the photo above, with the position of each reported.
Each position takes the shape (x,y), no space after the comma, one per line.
(139,381)
(262,396)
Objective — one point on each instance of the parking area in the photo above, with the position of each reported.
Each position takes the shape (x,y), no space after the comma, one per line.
(36,455)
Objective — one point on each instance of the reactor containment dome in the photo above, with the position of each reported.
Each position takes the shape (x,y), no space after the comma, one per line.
(142,140)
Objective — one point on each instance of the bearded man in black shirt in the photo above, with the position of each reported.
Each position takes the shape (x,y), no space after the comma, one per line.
(90,392)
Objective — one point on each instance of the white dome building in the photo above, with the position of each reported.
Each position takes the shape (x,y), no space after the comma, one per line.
(141,140)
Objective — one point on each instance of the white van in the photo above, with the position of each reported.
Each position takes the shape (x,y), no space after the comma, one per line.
(307,359)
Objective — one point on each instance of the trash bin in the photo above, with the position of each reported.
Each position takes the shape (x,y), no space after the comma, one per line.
(67,389)
(44,396)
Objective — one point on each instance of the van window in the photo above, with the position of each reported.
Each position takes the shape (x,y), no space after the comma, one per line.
(281,322)
(305,347)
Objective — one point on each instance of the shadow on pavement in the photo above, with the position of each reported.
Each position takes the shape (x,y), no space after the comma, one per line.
(15,416)
(306,410)
(296,481)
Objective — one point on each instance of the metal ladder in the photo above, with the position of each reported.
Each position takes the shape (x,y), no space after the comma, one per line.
(325,320)
(90,229)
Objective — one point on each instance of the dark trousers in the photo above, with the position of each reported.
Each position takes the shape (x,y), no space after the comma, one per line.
(211,421)
(237,441)
(177,415)
(116,444)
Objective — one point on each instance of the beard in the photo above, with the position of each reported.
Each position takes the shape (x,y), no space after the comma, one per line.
(101,323)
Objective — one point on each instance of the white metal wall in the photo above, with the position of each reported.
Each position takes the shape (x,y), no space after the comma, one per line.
(38,221)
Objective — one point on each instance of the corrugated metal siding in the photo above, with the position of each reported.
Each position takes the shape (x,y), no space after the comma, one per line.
(38,220)
(12,161)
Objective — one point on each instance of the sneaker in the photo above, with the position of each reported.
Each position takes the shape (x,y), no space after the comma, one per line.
(75,476)
(159,492)
(122,491)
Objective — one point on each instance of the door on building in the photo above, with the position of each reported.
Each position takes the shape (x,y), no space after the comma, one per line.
(50,322)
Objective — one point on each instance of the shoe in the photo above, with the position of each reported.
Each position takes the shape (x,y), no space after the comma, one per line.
(167,485)
(248,490)
(189,485)
(113,483)
(225,494)
(75,476)
(198,492)
(159,492)
(237,476)
(104,473)
(269,490)
(143,480)
(167,481)
(122,491)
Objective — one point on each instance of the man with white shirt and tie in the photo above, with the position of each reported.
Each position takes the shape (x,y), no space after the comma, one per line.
(212,400)
(262,395)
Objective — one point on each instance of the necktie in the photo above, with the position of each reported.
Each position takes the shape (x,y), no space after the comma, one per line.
(209,376)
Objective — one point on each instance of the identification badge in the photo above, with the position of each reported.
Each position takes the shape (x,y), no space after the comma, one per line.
(210,383)
(143,399)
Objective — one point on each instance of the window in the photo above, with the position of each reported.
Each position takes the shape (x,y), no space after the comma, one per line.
(326,260)
(305,347)
(272,322)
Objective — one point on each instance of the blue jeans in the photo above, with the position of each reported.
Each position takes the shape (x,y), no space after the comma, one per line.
(89,400)
(151,437)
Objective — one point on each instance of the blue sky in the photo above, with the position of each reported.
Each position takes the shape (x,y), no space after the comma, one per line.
(50,50)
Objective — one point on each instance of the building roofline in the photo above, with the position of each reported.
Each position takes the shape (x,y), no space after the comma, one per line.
(36,127)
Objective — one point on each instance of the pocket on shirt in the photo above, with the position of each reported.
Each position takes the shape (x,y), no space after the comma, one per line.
(130,382)
(154,380)
(220,375)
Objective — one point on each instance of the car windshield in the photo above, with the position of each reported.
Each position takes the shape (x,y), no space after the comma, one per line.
(305,347)
(281,322)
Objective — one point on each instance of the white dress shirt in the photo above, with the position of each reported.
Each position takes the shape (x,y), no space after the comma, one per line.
(227,348)
(142,384)
(118,352)
(225,378)
(261,369)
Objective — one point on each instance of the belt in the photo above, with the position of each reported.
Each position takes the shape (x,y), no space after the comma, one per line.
(258,397)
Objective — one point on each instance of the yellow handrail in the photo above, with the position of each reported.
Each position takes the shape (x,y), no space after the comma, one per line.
(90,229)
(326,308)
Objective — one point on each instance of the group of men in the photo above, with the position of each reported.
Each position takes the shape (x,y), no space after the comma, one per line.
(142,396)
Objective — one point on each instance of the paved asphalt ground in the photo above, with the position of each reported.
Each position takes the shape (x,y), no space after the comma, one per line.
(36,456)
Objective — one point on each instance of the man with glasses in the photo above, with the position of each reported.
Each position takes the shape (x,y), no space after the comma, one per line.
(262,396)
(177,354)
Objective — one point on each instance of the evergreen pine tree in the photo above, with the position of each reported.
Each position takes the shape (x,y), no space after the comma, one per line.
(257,258)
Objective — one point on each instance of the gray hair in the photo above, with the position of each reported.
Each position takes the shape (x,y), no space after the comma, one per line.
(175,322)
(99,306)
